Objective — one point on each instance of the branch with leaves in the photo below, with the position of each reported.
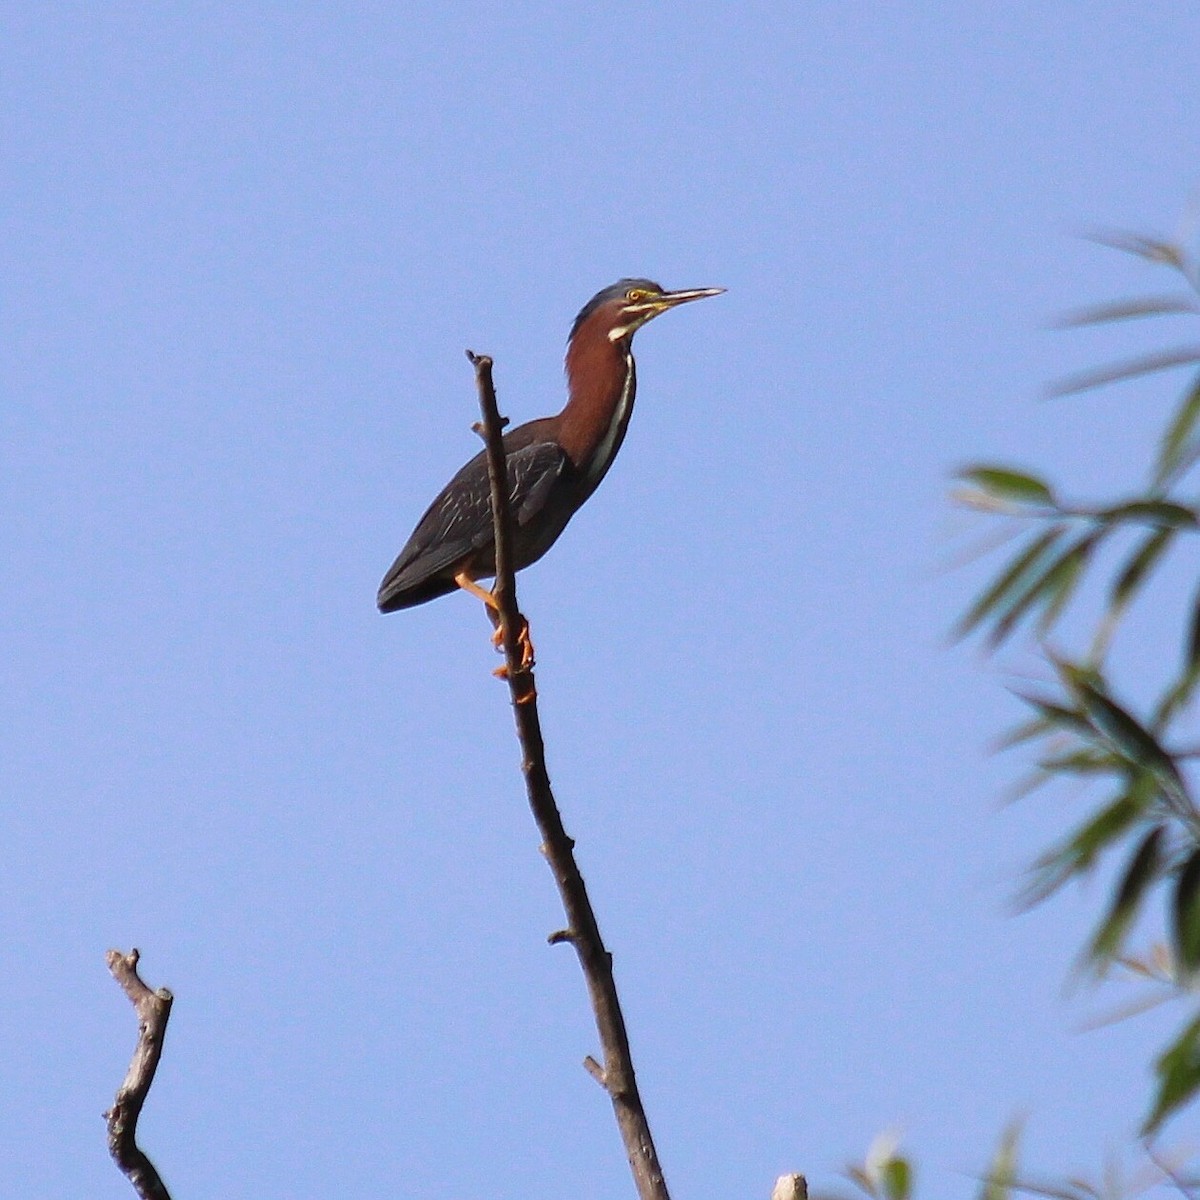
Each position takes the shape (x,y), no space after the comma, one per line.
(1149,813)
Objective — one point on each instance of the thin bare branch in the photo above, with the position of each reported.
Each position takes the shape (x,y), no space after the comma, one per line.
(153,1010)
(616,1073)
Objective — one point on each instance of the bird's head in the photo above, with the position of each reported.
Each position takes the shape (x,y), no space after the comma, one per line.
(619,311)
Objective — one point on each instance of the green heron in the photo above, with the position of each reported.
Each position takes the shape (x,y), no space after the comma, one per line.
(554,464)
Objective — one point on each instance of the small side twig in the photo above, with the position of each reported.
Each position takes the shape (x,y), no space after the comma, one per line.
(153,1010)
(616,1074)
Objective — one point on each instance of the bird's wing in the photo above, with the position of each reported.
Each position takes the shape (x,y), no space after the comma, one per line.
(532,474)
(459,521)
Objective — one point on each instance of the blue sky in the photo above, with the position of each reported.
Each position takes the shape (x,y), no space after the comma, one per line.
(246,246)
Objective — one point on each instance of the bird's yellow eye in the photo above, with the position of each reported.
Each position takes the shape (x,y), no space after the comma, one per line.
(636,294)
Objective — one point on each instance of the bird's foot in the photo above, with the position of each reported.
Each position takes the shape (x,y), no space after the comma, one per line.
(525,665)
(526,644)
(530,692)
(523,640)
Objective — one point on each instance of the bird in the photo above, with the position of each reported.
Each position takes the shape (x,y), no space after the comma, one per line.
(554,463)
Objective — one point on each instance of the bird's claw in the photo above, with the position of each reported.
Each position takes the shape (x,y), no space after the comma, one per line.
(523,640)
(525,665)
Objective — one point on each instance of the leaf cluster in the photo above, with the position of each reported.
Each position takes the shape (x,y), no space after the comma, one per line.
(1148,817)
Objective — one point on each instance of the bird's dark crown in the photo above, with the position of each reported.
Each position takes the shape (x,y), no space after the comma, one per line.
(615,291)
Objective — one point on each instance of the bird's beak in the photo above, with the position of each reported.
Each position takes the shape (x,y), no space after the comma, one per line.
(671,299)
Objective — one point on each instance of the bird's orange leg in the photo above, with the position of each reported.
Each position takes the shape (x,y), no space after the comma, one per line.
(467,584)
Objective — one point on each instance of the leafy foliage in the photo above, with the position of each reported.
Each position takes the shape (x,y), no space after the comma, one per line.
(886,1174)
(1148,816)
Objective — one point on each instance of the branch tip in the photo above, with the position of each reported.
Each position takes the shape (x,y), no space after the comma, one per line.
(596,1071)
(153,1009)
(790,1187)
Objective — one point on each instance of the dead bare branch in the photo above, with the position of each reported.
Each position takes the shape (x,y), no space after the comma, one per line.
(153,1010)
(616,1075)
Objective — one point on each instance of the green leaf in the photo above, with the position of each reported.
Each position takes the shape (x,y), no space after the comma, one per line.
(1135,571)
(1138,567)
(1125,734)
(1185,913)
(1001,1178)
(1058,584)
(1162,513)
(1192,662)
(1175,700)
(1144,868)
(1173,452)
(1004,483)
(1079,852)
(897,1179)
(1042,584)
(1009,579)
(1058,716)
(1085,761)
(1026,731)
(1154,250)
(858,1176)
(1146,364)
(1178,1071)
(1122,310)
(1180,693)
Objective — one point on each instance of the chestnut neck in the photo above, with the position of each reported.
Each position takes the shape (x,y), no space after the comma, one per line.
(601,383)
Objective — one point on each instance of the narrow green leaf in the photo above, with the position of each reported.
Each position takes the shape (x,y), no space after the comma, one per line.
(1010,578)
(1001,1178)
(1176,700)
(1136,569)
(897,1179)
(1122,310)
(1110,823)
(1086,761)
(1144,868)
(1172,453)
(1185,913)
(1127,736)
(1046,583)
(858,1176)
(1026,731)
(1160,513)
(1061,579)
(1146,364)
(1140,563)
(1178,1071)
(1179,695)
(1058,716)
(1006,484)
(1079,852)
(1154,250)
(1192,663)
